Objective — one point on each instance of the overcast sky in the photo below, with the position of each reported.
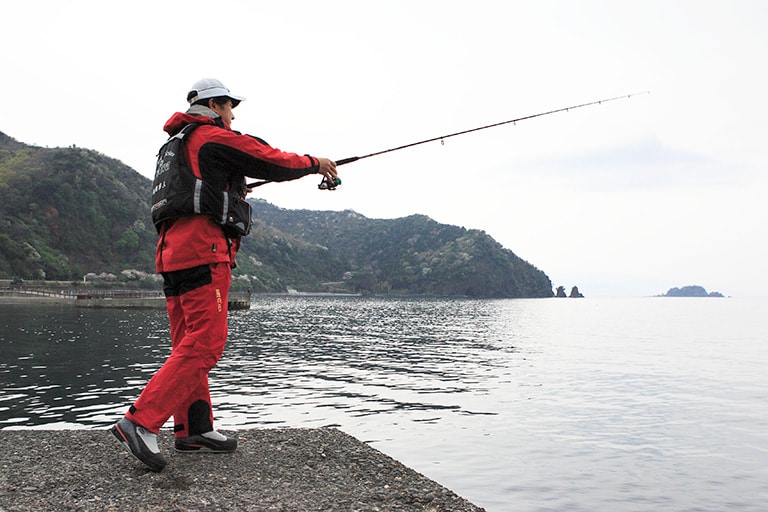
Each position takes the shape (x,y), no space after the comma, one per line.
(628,198)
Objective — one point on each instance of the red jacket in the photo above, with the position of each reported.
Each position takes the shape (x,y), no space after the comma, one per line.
(214,149)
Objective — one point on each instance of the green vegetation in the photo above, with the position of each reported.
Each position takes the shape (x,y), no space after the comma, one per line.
(71,212)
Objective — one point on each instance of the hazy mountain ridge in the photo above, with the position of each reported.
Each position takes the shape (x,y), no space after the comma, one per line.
(70,211)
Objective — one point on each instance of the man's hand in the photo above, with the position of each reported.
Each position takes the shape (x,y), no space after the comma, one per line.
(327,169)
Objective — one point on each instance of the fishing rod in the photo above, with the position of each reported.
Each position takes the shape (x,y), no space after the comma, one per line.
(327,185)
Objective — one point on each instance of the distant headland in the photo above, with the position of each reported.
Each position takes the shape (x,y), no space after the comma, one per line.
(691,291)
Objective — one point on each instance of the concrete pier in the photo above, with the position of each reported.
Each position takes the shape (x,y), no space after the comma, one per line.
(286,470)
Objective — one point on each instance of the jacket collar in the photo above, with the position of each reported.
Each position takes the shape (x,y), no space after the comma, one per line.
(195,114)
(201,110)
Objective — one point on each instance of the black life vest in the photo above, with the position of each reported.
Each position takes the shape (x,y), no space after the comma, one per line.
(177,192)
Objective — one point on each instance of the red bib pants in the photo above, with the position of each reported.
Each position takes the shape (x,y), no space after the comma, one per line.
(196,299)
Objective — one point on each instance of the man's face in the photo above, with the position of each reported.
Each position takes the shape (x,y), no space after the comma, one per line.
(224,111)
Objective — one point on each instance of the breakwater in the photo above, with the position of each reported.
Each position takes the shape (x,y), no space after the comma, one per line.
(123,299)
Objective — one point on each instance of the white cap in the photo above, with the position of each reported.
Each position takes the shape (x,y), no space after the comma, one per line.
(210,88)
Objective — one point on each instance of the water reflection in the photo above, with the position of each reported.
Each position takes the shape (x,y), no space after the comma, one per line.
(311,361)
(325,361)
(65,366)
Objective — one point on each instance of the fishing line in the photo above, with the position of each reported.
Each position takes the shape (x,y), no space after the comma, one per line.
(327,185)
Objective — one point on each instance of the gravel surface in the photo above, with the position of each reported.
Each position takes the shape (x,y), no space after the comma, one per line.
(287,470)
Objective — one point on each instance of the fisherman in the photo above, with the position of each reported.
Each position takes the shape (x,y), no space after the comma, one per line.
(195,254)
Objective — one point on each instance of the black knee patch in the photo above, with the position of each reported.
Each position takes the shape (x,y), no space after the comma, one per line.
(179,282)
(199,418)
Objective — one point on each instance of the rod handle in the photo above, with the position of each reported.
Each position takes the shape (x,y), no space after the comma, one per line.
(347,160)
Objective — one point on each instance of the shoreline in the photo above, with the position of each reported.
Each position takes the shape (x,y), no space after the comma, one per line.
(291,470)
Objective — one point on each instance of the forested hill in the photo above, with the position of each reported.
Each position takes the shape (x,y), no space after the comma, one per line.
(67,212)
(70,211)
(414,254)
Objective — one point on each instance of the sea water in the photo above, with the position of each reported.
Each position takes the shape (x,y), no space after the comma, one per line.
(626,404)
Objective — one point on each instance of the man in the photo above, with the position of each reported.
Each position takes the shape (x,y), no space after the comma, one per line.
(195,253)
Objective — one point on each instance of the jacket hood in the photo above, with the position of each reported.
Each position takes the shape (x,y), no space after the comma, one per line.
(195,114)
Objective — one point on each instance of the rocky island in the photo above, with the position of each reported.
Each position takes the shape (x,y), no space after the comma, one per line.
(691,291)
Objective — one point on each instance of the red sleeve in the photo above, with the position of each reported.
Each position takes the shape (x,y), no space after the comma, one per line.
(216,150)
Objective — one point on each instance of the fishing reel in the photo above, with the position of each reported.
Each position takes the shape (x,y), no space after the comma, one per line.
(327,184)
